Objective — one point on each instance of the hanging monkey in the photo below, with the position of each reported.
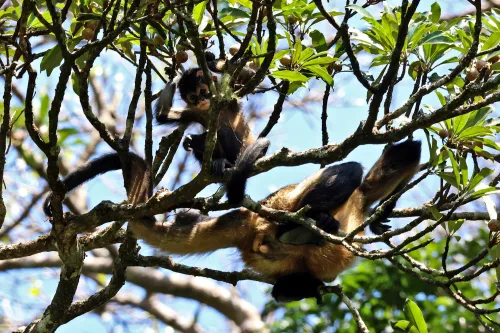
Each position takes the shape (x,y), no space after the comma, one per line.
(299,260)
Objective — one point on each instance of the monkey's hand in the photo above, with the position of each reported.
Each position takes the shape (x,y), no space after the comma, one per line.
(324,221)
(379,227)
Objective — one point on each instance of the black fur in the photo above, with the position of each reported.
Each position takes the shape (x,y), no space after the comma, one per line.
(189,81)
(335,186)
(225,152)
(400,155)
(97,167)
(243,168)
(297,286)
(395,159)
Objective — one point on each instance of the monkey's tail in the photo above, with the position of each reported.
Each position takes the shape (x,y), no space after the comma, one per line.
(397,165)
(243,168)
(136,176)
(194,233)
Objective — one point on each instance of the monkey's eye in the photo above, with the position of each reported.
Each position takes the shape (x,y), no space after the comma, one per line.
(203,92)
(193,98)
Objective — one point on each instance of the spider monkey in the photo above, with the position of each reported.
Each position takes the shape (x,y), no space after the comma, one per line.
(234,138)
(295,257)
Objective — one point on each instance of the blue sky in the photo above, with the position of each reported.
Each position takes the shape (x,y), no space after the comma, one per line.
(298,130)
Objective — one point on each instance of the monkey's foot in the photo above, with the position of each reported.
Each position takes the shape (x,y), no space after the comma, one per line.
(379,227)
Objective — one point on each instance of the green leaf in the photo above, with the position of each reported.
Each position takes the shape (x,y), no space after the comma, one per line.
(414,316)
(454,226)
(449,178)
(64,133)
(483,173)
(297,50)
(404,326)
(320,61)
(51,60)
(438,37)
(44,108)
(280,54)
(321,72)
(478,117)
(289,40)
(454,164)
(475,132)
(88,17)
(436,214)
(435,12)
(234,12)
(442,100)
(464,170)
(75,83)
(199,10)
(487,190)
(290,76)
(304,55)
(491,41)
(318,41)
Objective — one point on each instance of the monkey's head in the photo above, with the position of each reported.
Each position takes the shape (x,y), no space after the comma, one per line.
(194,89)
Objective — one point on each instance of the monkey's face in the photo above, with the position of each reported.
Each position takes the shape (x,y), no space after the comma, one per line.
(200,98)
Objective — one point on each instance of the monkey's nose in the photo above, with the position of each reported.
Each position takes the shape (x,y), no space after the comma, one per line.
(187,143)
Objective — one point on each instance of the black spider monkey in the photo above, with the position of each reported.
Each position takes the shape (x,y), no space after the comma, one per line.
(235,146)
(296,258)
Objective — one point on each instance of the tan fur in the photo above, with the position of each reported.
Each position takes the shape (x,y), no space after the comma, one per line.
(200,237)
(255,236)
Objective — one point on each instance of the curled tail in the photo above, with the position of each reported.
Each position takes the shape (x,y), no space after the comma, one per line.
(243,168)
(136,176)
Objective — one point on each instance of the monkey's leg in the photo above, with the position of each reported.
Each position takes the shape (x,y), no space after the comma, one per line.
(326,190)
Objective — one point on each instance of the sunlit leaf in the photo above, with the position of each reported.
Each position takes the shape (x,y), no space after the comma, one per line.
(199,10)
(290,76)
(414,316)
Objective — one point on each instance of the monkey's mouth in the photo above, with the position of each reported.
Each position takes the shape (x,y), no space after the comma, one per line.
(204,105)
